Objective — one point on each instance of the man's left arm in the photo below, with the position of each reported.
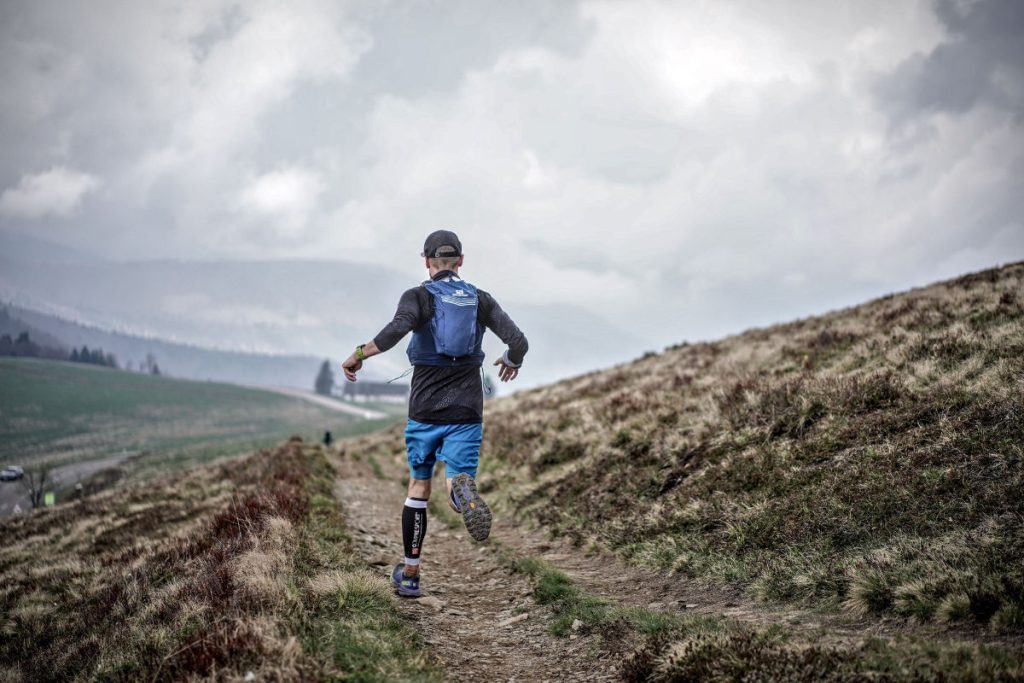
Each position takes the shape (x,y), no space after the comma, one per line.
(498,321)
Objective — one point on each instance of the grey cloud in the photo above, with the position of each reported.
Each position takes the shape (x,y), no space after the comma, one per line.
(104,92)
(427,46)
(982,61)
(581,256)
(622,150)
(223,27)
(638,158)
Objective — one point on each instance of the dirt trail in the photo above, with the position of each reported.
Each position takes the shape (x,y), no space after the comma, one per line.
(472,601)
(471,614)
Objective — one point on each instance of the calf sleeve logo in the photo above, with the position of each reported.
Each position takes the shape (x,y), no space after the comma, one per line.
(417,534)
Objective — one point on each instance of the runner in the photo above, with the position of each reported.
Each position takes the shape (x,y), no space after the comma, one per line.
(448,317)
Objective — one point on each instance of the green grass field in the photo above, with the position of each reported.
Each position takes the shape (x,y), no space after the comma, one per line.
(57,413)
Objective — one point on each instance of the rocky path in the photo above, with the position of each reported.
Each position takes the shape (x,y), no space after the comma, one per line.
(480,619)
(476,615)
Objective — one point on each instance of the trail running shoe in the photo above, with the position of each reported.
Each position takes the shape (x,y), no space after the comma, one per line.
(475,512)
(407,586)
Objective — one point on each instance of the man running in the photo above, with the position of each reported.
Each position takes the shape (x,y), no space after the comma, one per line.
(447,317)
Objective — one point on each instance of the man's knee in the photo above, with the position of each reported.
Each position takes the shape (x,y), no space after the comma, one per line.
(419,488)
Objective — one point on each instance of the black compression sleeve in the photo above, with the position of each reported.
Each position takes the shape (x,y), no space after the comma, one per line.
(414,528)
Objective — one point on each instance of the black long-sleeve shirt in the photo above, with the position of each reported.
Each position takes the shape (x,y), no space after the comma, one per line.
(448,395)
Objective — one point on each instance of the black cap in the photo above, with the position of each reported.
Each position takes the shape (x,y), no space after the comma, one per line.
(442,238)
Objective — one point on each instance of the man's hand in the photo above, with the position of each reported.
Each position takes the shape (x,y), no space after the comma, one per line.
(351,366)
(505,372)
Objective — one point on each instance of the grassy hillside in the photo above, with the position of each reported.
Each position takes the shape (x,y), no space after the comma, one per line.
(868,460)
(62,412)
(245,568)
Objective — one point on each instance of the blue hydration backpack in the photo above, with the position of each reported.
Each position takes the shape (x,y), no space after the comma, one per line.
(454,337)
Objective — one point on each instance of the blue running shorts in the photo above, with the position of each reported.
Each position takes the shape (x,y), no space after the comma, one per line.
(457,446)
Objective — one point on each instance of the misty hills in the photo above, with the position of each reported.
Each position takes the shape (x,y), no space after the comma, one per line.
(183,361)
(302,309)
(267,307)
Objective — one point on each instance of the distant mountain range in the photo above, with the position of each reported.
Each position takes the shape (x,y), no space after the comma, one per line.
(258,322)
(178,360)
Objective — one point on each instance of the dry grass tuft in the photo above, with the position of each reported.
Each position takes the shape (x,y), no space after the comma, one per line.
(262,572)
(726,654)
(351,588)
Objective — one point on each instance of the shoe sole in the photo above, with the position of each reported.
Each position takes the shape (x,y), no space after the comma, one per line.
(475,513)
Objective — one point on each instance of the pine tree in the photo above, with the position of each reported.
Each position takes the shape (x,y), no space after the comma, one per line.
(24,346)
(325,379)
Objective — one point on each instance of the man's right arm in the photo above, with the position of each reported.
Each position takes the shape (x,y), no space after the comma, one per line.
(406,319)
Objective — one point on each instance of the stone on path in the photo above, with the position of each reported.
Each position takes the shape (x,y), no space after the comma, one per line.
(514,620)
(430,601)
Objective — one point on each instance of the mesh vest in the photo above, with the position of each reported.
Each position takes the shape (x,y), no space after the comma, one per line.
(452,337)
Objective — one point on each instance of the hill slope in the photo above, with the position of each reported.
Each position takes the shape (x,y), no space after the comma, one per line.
(231,571)
(859,473)
(869,459)
(54,412)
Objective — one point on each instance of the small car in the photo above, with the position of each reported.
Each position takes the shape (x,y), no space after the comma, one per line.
(11,473)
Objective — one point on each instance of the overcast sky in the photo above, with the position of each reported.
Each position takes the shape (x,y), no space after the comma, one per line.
(685,169)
